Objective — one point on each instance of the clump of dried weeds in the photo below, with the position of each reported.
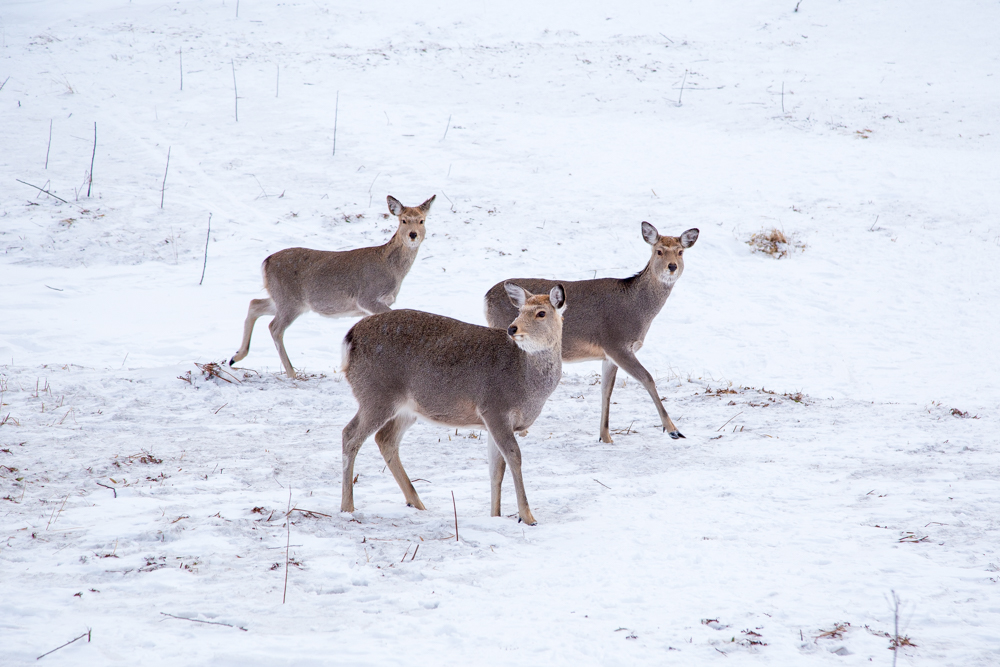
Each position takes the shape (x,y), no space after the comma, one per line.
(774,242)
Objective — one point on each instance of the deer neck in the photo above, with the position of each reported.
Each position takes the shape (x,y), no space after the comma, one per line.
(649,290)
(398,254)
(543,369)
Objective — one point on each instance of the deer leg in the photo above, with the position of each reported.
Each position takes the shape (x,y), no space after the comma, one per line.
(497,468)
(626,359)
(387,439)
(373,306)
(503,437)
(355,433)
(258,308)
(277,326)
(608,373)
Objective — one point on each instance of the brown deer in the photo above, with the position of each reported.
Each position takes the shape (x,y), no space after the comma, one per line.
(407,363)
(352,283)
(610,316)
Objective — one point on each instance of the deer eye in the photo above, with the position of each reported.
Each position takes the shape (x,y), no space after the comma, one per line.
(659,252)
(420,222)
(541,313)
(680,253)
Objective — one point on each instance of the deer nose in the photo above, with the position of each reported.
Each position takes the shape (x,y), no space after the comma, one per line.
(511,330)
(672,267)
(413,235)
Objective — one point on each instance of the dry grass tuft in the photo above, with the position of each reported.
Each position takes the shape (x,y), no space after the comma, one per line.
(837,632)
(774,242)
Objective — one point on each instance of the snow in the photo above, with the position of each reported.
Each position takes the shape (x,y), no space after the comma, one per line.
(859,374)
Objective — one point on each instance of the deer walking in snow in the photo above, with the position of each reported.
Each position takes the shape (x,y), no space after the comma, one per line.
(352,283)
(610,317)
(408,363)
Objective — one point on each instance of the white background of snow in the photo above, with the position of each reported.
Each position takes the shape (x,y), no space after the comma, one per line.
(565,133)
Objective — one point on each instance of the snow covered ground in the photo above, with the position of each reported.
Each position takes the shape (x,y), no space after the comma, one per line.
(840,404)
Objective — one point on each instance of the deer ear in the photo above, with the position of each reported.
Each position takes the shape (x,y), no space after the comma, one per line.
(426,206)
(394,206)
(518,295)
(689,237)
(557,297)
(649,233)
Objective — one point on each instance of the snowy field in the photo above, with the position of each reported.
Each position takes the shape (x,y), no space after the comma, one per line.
(841,404)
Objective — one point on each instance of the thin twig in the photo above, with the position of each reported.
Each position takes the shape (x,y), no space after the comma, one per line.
(221,406)
(446,128)
(370,188)
(299,509)
(796,11)
(336,110)
(109,487)
(455,507)
(195,620)
(277,78)
(49,147)
(683,81)
(236,94)
(405,554)
(180,54)
(449,198)
(288,540)
(164,185)
(602,483)
(55,515)
(729,420)
(42,190)
(415,552)
(895,642)
(782,97)
(85,634)
(4,83)
(90,178)
(207,236)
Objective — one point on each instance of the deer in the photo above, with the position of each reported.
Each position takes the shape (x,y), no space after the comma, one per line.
(407,364)
(350,283)
(611,316)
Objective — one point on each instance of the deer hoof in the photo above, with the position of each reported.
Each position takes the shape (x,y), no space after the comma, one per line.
(677,434)
(232,361)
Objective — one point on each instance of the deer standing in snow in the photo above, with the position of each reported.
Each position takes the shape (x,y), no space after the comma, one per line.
(610,316)
(352,283)
(408,363)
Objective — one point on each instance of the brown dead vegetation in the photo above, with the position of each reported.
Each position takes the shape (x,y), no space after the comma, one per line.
(774,242)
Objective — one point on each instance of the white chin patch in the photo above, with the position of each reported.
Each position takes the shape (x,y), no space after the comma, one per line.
(527,344)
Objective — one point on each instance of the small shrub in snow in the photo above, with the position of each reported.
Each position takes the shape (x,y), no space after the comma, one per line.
(774,242)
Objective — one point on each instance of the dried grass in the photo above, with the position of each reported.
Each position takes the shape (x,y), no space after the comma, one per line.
(774,242)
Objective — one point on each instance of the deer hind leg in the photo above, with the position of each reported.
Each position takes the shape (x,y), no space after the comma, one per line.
(388,439)
(282,320)
(626,359)
(497,468)
(258,308)
(609,371)
(355,433)
(503,438)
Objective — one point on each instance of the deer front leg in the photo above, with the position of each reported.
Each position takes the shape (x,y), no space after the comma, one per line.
(497,468)
(608,373)
(502,434)
(626,359)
